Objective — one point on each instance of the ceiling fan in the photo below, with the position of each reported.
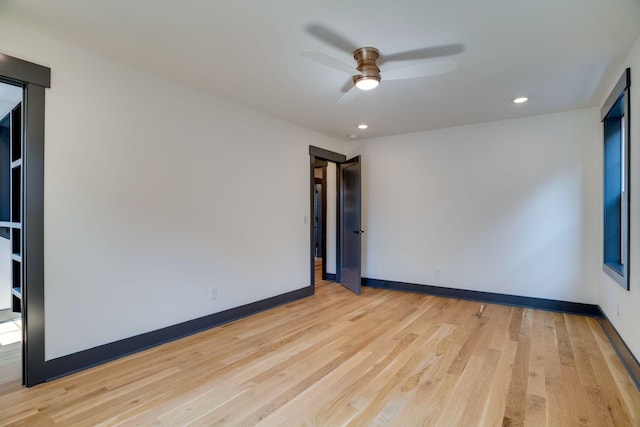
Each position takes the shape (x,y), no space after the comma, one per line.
(367,75)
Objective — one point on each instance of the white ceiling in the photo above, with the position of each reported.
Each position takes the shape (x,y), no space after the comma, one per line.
(559,53)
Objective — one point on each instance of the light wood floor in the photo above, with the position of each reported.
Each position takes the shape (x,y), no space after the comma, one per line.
(10,354)
(318,270)
(382,358)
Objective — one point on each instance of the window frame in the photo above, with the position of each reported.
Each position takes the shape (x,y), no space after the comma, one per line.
(620,93)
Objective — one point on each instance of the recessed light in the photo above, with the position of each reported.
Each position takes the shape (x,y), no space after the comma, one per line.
(353,136)
(520,100)
(363,126)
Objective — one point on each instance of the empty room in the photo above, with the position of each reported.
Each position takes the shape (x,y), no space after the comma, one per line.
(412,213)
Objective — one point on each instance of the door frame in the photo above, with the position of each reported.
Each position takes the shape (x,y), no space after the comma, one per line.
(316,153)
(34,79)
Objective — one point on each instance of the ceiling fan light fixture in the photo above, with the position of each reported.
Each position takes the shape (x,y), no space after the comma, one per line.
(367,83)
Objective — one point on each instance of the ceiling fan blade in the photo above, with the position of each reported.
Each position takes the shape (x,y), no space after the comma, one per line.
(349,96)
(329,61)
(348,84)
(331,38)
(425,69)
(423,53)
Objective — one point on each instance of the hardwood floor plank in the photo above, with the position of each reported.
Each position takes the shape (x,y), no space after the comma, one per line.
(498,392)
(433,381)
(556,398)
(536,376)
(618,391)
(463,407)
(536,412)
(476,336)
(516,399)
(564,343)
(585,347)
(582,341)
(328,394)
(382,358)
(387,394)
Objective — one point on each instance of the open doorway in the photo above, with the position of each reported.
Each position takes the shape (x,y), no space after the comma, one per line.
(335,250)
(324,221)
(27,249)
(10,200)
(11,231)
(319,220)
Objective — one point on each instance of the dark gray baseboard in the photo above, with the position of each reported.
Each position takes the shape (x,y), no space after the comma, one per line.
(489,297)
(330,277)
(75,362)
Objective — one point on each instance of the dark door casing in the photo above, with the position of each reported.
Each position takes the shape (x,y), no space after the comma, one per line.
(33,79)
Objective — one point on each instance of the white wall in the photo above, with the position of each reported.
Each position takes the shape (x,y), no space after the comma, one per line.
(5,273)
(612,294)
(156,192)
(330,262)
(510,207)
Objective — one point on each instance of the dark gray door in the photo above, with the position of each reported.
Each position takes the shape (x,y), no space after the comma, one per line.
(351,233)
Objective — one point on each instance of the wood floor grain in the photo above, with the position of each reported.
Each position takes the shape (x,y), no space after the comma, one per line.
(382,358)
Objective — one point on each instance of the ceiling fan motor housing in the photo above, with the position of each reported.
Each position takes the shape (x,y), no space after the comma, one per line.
(366,58)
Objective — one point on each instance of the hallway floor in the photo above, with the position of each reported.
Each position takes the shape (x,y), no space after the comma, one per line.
(10,355)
